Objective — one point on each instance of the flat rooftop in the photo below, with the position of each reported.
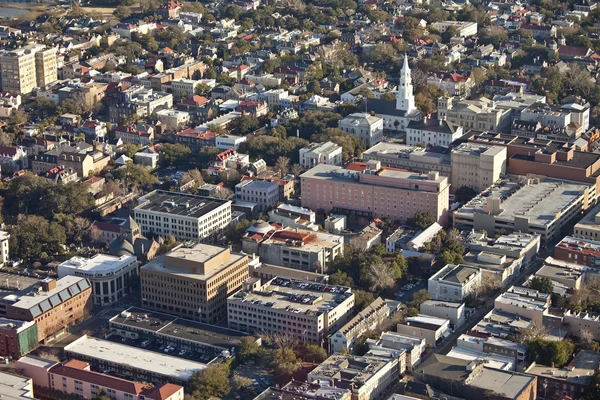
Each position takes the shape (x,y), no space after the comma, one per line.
(134,358)
(495,361)
(349,369)
(508,384)
(179,204)
(300,297)
(580,370)
(301,390)
(40,302)
(517,300)
(322,148)
(427,321)
(501,324)
(555,273)
(473,149)
(402,151)
(442,304)
(541,203)
(584,246)
(14,387)
(97,263)
(589,220)
(163,324)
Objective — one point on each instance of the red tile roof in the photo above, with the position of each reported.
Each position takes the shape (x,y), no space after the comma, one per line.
(163,392)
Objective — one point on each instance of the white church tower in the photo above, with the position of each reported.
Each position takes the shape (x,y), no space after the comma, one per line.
(405,100)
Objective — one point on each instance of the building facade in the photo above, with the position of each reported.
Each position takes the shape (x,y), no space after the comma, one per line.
(477,167)
(264,194)
(321,153)
(454,283)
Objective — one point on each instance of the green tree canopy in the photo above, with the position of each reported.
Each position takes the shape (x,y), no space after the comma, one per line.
(211,381)
(543,284)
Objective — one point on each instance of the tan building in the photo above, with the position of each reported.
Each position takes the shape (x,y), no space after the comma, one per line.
(24,69)
(478,114)
(85,164)
(45,67)
(193,282)
(477,166)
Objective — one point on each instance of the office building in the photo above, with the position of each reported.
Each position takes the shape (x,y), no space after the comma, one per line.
(306,310)
(578,251)
(367,190)
(292,247)
(365,320)
(193,281)
(142,365)
(455,312)
(262,193)
(211,341)
(432,132)
(25,69)
(366,127)
(367,377)
(111,277)
(185,216)
(477,166)
(266,272)
(480,114)
(570,382)
(432,329)
(17,338)
(517,245)
(525,302)
(54,307)
(454,283)
(589,226)
(305,391)
(321,153)
(530,206)
(46,68)
(409,157)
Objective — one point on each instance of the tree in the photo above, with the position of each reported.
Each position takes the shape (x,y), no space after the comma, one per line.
(422,219)
(130,149)
(249,348)
(175,154)
(35,237)
(313,353)
(297,170)
(542,284)
(550,352)
(211,381)
(282,166)
(592,391)
(17,117)
(388,96)
(192,175)
(340,278)
(449,257)
(381,276)
(206,154)
(122,12)
(135,177)
(240,382)
(362,299)
(202,89)
(285,361)
(244,124)
(419,298)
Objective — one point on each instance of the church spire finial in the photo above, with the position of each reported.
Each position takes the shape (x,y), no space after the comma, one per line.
(405,66)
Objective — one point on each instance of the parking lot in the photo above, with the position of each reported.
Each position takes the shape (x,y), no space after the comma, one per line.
(406,291)
(261,379)
(150,344)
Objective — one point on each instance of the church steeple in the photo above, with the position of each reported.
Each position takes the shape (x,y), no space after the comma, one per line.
(405,99)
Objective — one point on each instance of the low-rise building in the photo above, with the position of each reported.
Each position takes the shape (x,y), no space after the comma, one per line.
(432,132)
(413,347)
(292,247)
(454,283)
(569,278)
(525,302)
(60,175)
(432,329)
(455,312)
(409,157)
(578,251)
(13,159)
(139,363)
(264,194)
(321,153)
(17,338)
(131,135)
(15,387)
(365,320)
(306,310)
(477,166)
(531,206)
(568,382)
(293,217)
(517,245)
(195,139)
(366,127)
(173,119)
(582,324)
(367,377)
(463,28)
(193,281)
(589,226)
(111,277)
(226,142)
(185,216)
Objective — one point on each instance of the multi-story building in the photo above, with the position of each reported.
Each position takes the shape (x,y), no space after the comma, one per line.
(185,216)
(226,142)
(15,386)
(264,194)
(22,70)
(455,312)
(173,119)
(4,247)
(477,166)
(452,83)
(60,175)
(306,310)
(293,217)
(321,153)
(75,377)
(524,302)
(463,28)
(432,329)
(367,319)
(366,127)
(305,391)
(432,132)
(12,159)
(409,157)
(412,346)
(367,190)
(578,251)
(193,281)
(481,114)
(140,364)
(517,245)
(570,382)
(184,88)
(17,338)
(530,206)
(368,377)
(137,100)
(170,9)
(84,163)
(111,277)
(293,247)
(46,66)
(58,305)
(582,324)
(131,135)
(454,283)
(195,138)
(254,108)
(589,226)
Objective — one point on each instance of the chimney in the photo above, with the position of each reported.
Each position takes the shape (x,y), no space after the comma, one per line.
(48,284)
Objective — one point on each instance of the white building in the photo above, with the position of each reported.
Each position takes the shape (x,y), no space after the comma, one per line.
(306,310)
(455,312)
(185,216)
(111,277)
(173,119)
(15,387)
(454,283)
(321,153)
(589,226)
(366,127)
(432,329)
(4,242)
(184,88)
(294,217)
(524,302)
(414,347)
(463,28)
(226,142)
(263,193)
(477,166)
(368,377)
(481,114)
(432,132)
